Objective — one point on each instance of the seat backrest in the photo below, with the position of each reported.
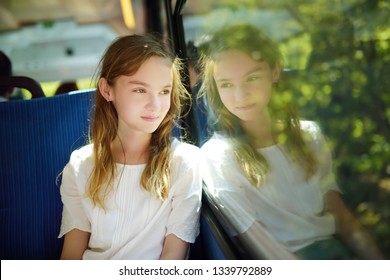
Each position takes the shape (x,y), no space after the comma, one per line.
(22,82)
(37,137)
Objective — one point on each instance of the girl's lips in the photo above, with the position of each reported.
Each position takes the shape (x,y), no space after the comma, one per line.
(150,118)
(245,107)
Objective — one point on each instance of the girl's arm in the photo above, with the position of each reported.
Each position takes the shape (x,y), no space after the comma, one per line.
(75,244)
(174,248)
(262,245)
(350,231)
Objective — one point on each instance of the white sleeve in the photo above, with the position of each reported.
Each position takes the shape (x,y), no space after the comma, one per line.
(186,200)
(324,157)
(226,184)
(73,214)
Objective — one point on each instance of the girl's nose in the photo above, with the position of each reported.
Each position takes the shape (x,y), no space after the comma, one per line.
(153,103)
(241,92)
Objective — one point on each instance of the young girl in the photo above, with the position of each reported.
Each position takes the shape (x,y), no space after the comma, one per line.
(134,192)
(266,167)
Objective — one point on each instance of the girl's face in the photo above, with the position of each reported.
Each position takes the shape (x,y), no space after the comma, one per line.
(244,84)
(143,99)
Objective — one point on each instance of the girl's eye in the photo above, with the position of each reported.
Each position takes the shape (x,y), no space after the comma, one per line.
(165,92)
(139,90)
(253,78)
(226,85)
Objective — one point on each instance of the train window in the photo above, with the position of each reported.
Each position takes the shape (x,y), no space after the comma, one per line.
(297,146)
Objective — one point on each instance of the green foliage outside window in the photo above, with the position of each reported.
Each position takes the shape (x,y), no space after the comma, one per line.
(345,87)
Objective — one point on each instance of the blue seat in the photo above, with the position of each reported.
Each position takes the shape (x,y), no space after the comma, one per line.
(37,137)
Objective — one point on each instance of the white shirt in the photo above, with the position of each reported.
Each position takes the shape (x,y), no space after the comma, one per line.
(135,223)
(290,208)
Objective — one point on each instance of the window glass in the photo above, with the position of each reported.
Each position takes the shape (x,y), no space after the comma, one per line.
(292,178)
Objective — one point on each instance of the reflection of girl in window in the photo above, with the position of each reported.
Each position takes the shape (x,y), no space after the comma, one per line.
(266,166)
(134,192)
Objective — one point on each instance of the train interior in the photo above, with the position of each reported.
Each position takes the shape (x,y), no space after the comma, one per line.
(60,42)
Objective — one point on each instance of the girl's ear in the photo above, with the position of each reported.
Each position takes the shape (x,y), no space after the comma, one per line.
(105,89)
(276,72)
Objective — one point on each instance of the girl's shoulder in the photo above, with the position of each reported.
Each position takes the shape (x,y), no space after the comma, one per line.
(184,154)
(311,130)
(313,136)
(310,127)
(83,155)
(217,144)
(183,149)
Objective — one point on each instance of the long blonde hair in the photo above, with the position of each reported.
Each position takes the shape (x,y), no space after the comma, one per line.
(257,45)
(124,57)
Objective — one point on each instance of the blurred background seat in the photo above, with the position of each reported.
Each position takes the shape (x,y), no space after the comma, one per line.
(37,137)
(22,82)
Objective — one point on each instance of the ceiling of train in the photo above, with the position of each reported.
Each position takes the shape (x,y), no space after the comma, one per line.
(18,13)
(51,39)
(15,14)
